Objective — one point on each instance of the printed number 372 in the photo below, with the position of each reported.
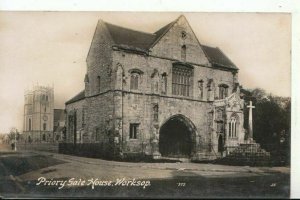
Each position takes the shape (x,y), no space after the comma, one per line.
(180,184)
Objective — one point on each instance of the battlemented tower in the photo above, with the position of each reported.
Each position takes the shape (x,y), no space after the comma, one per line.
(38,114)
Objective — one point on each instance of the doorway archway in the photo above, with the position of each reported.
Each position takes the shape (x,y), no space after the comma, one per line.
(177,137)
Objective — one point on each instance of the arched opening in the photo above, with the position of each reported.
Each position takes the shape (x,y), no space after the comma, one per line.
(220,144)
(176,137)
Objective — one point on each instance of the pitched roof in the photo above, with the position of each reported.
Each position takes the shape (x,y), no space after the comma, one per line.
(159,33)
(217,58)
(79,96)
(125,36)
(138,41)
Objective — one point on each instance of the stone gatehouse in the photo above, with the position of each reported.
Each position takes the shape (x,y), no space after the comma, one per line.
(159,94)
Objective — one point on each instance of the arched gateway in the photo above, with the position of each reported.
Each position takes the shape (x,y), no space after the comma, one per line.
(177,137)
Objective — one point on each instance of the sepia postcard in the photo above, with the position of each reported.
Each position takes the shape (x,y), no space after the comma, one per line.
(145,104)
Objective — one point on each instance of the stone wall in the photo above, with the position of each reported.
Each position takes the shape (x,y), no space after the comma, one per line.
(169,46)
(78,108)
(99,61)
(112,108)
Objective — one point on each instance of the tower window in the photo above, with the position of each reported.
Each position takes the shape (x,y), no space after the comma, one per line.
(44,126)
(133,131)
(46,97)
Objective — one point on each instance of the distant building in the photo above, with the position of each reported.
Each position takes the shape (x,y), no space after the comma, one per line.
(38,114)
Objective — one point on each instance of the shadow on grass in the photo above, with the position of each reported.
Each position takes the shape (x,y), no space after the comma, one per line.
(16,165)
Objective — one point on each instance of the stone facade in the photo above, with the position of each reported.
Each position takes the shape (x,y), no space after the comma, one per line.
(133,89)
(38,114)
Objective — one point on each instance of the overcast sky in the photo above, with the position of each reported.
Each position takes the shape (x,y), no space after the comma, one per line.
(51,47)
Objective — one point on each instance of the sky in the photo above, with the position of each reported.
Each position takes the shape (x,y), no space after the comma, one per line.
(50,48)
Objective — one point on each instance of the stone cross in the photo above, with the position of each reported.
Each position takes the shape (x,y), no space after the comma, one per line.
(250,120)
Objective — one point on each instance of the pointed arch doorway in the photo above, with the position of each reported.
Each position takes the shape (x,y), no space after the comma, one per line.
(177,137)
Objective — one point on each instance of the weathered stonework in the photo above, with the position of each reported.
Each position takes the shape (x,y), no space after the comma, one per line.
(111,105)
(38,115)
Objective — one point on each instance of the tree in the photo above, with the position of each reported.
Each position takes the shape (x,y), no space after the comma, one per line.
(271,123)
(13,133)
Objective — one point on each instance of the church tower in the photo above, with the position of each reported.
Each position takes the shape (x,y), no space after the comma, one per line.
(38,114)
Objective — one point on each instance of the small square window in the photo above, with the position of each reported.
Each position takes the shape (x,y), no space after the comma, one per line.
(133,131)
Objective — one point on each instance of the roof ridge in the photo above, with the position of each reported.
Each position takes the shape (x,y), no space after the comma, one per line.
(215,47)
(167,27)
(77,97)
(107,23)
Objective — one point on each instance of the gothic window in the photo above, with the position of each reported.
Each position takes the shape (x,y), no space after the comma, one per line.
(97,134)
(29,124)
(135,78)
(183,53)
(44,126)
(134,81)
(133,131)
(182,80)
(223,91)
(164,83)
(155,111)
(98,84)
(45,109)
(46,97)
(232,127)
(44,137)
